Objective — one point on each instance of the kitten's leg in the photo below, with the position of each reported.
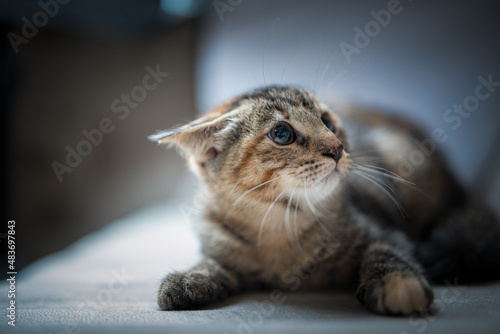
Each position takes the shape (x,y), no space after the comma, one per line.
(391,282)
(205,283)
(463,246)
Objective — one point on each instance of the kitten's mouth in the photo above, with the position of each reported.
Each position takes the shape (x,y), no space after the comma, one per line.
(334,172)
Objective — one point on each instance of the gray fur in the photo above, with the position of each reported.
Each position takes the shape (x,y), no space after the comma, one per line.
(381,242)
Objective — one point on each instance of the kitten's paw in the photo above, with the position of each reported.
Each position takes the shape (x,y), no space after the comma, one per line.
(405,293)
(397,293)
(190,290)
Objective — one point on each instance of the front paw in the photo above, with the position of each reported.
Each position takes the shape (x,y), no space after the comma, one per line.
(190,290)
(397,293)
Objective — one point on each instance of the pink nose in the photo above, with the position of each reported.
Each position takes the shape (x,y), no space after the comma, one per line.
(335,153)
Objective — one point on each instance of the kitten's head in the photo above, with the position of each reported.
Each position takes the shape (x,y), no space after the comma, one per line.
(281,138)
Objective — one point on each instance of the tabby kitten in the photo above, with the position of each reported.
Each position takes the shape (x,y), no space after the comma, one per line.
(294,198)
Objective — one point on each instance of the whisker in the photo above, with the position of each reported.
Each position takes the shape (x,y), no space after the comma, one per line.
(362,153)
(313,210)
(391,175)
(288,225)
(311,206)
(350,77)
(287,214)
(327,67)
(265,48)
(288,61)
(252,189)
(261,228)
(366,176)
(379,181)
(383,169)
(327,209)
(384,172)
(295,226)
(235,186)
(358,139)
(319,62)
(233,205)
(367,158)
(335,79)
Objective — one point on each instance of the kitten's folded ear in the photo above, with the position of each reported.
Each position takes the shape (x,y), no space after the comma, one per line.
(202,137)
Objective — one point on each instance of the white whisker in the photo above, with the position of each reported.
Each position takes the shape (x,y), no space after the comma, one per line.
(313,210)
(328,65)
(261,228)
(252,189)
(288,61)
(319,62)
(355,140)
(335,79)
(288,225)
(265,49)
(295,226)
(366,177)
(385,171)
(380,181)
(389,174)
(233,205)
(235,186)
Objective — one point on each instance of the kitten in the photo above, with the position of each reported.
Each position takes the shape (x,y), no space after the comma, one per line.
(296,198)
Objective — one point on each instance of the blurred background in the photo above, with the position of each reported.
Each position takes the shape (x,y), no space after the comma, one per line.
(84,82)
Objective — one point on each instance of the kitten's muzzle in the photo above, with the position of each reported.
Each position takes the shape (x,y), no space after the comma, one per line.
(335,153)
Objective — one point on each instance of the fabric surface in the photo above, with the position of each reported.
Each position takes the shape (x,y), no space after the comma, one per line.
(107,282)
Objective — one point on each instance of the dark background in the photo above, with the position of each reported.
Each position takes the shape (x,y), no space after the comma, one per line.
(64,79)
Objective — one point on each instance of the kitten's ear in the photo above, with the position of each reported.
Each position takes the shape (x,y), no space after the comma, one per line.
(202,137)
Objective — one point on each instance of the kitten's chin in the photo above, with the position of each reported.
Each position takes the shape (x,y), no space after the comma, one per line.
(330,181)
(332,176)
(337,170)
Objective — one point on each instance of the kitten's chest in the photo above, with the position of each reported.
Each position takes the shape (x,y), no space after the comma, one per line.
(300,252)
(287,265)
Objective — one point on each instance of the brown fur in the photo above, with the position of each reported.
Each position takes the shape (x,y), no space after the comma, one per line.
(309,214)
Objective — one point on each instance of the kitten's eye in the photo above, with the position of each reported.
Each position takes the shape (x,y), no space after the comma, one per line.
(282,134)
(328,123)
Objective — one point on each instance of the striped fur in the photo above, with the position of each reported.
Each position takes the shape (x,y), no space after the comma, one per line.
(324,211)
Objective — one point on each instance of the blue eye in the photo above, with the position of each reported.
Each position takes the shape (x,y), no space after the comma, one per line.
(282,134)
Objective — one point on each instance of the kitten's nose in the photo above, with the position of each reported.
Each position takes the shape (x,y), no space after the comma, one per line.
(335,153)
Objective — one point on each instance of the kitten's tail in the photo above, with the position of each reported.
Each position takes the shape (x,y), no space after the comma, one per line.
(463,247)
